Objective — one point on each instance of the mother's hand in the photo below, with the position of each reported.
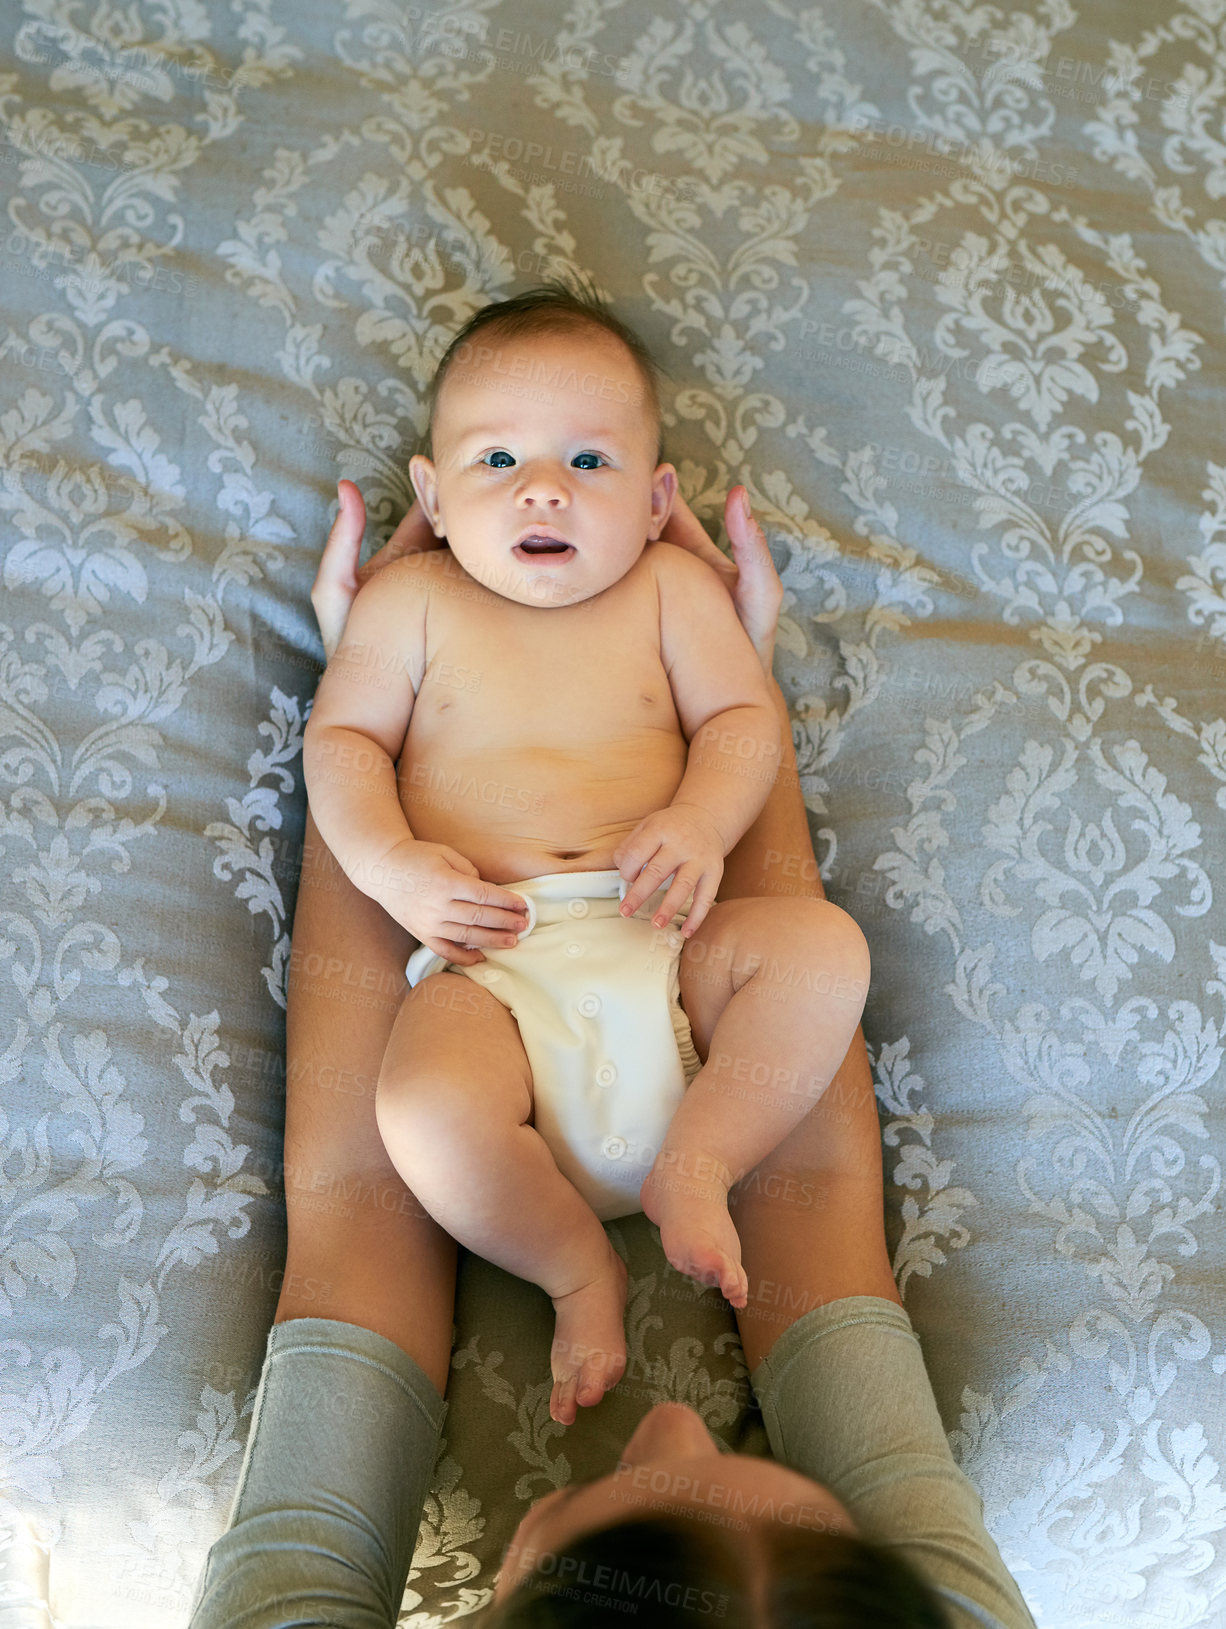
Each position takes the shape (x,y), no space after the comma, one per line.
(750,576)
(338,579)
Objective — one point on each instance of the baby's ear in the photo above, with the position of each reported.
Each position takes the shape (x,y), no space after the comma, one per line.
(663,495)
(425,483)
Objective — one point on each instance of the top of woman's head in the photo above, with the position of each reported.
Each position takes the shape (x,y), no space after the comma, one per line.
(671,1570)
(553,307)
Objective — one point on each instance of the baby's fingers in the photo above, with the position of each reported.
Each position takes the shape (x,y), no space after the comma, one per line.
(684,884)
(645,871)
(452,951)
(697,916)
(475,935)
(414,535)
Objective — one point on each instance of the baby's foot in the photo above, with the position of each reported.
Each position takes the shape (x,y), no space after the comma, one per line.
(589,1341)
(697,1234)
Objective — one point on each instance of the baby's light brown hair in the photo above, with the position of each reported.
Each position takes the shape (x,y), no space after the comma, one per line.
(554,306)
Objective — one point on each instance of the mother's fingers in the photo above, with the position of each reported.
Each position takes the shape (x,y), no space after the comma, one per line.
(414,535)
(684,528)
(339,576)
(759,593)
(749,546)
(750,576)
(336,580)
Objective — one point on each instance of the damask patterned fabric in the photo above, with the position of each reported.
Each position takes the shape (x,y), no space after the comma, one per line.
(945,285)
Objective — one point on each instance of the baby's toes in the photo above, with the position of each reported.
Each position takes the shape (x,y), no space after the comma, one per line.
(600,1374)
(727,1278)
(735,1285)
(562,1400)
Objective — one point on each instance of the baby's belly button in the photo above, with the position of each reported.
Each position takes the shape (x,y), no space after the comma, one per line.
(563,846)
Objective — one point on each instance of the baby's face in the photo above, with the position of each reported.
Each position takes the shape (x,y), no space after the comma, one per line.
(545,432)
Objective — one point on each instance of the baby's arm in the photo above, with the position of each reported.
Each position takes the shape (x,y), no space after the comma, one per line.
(358,723)
(357,726)
(721,694)
(727,713)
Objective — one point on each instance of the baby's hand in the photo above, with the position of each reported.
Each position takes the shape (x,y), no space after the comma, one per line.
(683,839)
(438,895)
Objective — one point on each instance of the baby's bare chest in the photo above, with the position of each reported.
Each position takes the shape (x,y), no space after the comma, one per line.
(571,681)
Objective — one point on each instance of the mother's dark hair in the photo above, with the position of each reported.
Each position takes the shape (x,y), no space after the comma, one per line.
(674,1570)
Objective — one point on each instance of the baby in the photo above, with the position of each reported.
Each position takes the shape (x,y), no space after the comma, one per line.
(524,740)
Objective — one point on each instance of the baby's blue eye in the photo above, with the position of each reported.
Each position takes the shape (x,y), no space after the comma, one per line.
(500,452)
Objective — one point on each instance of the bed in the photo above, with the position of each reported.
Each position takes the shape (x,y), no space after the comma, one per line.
(945,286)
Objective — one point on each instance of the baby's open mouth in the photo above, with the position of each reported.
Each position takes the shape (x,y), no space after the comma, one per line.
(543,545)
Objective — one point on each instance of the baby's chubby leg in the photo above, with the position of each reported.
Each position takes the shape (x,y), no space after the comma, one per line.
(773,989)
(454,1107)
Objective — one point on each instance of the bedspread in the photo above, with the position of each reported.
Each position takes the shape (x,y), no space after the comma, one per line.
(945,286)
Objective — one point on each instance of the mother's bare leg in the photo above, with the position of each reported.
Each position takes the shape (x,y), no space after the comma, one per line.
(361,1247)
(810,1216)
